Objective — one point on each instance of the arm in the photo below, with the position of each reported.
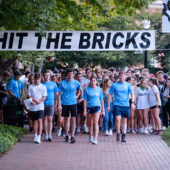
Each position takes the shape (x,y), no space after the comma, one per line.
(85,107)
(157,98)
(39,101)
(102,107)
(133,100)
(59,102)
(109,100)
(78,94)
(3,92)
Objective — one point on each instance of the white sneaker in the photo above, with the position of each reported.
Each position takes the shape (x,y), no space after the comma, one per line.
(46,137)
(90,138)
(38,139)
(110,132)
(163,128)
(140,130)
(78,129)
(133,131)
(35,138)
(145,131)
(59,133)
(106,133)
(86,129)
(128,130)
(95,141)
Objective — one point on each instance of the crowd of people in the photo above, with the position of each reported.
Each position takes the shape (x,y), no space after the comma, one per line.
(90,101)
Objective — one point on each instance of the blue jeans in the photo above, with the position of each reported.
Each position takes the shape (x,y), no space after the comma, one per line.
(109,118)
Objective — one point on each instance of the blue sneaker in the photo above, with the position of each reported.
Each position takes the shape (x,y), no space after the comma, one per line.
(90,138)
(94,141)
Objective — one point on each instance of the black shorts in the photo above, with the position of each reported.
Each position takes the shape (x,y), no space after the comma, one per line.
(92,110)
(35,115)
(153,107)
(80,108)
(49,110)
(67,109)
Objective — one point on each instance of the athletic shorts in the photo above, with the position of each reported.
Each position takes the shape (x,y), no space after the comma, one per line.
(92,110)
(69,109)
(49,110)
(123,111)
(35,115)
(80,108)
(153,107)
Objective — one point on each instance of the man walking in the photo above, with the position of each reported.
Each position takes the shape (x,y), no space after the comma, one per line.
(49,105)
(121,90)
(69,91)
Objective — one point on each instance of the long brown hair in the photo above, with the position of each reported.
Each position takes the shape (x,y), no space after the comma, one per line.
(105,86)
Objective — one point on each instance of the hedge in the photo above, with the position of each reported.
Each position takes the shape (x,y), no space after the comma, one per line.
(9,135)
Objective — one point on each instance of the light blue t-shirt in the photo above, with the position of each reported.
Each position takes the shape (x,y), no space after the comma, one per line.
(93,96)
(15,86)
(51,90)
(121,93)
(68,91)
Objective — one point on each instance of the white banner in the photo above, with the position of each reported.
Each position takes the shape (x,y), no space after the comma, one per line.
(77,40)
(166,16)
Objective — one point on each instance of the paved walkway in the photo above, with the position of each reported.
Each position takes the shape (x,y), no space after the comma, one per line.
(140,152)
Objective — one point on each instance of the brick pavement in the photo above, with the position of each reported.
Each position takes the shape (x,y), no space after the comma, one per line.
(145,152)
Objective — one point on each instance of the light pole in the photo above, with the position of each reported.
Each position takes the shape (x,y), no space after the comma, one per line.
(146,27)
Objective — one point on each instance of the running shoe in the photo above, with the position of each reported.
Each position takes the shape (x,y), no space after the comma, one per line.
(90,138)
(67,139)
(110,132)
(146,131)
(38,140)
(133,131)
(107,133)
(46,138)
(128,130)
(78,129)
(118,137)
(63,132)
(164,128)
(59,132)
(73,140)
(35,138)
(123,138)
(86,129)
(159,132)
(95,142)
(50,138)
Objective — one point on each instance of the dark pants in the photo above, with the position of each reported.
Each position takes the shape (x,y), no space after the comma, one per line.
(165,113)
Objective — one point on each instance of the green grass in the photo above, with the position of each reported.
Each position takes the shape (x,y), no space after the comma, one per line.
(166,136)
(9,135)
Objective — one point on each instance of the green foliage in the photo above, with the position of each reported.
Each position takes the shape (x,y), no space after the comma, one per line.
(166,136)
(9,135)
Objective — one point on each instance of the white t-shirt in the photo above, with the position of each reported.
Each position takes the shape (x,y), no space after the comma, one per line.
(24,80)
(37,92)
(152,96)
(142,101)
(85,82)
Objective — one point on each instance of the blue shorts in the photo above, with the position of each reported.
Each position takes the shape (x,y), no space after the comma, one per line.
(123,111)
(92,110)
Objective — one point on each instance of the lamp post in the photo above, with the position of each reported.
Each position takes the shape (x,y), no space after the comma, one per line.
(146,27)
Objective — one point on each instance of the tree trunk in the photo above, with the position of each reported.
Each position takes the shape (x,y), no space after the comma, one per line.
(4,66)
(41,66)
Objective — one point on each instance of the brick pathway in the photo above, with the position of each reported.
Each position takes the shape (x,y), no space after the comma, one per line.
(140,152)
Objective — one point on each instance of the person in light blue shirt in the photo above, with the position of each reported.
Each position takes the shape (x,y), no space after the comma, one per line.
(69,91)
(93,106)
(16,87)
(49,105)
(121,91)
(93,96)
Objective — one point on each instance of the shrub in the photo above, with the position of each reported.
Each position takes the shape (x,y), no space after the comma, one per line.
(9,135)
